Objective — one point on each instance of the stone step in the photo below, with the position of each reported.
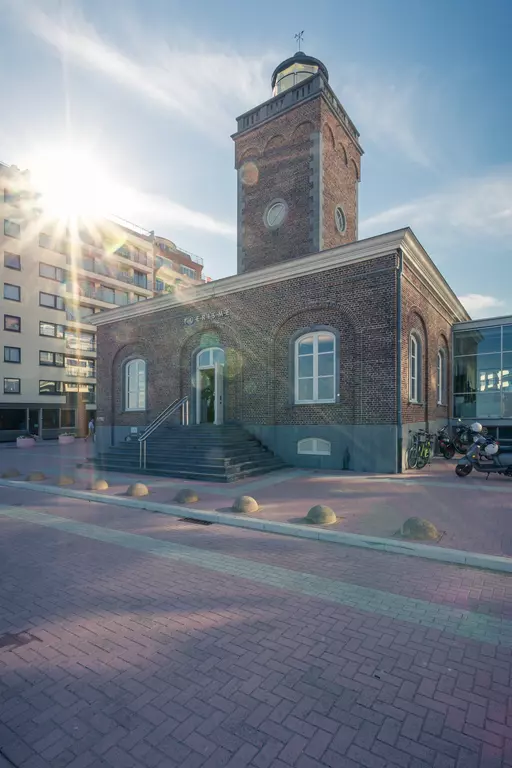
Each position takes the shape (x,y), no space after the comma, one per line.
(191,474)
(218,454)
(169,464)
(219,451)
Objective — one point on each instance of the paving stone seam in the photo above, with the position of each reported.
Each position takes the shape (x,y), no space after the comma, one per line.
(476,626)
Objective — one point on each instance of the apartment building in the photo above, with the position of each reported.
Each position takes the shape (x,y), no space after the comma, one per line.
(175,267)
(52,279)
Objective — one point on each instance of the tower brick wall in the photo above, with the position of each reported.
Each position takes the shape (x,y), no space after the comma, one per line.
(302,149)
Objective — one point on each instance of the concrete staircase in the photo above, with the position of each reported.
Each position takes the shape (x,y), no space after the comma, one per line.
(204,452)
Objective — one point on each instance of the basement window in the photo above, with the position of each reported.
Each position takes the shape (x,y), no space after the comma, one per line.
(314,446)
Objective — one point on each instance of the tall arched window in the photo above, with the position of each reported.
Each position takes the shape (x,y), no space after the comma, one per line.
(314,368)
(415,368)
(135,385)
(441,377)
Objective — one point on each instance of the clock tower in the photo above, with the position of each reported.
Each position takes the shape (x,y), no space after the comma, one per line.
(298,161)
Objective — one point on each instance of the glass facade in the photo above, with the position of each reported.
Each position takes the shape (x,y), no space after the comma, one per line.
(482,372)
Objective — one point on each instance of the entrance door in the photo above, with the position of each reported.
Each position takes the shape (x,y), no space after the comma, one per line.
(33,421)
(209,386)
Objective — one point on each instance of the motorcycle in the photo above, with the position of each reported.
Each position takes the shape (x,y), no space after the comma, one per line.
(485,455)
(463,436)
(445,443)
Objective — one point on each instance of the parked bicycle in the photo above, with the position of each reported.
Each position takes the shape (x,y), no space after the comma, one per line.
(420,449)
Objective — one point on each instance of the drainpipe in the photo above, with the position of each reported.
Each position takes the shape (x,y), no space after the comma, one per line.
(399,425)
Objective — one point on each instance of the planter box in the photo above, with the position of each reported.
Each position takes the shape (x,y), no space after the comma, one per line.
(66,439)
(25,442)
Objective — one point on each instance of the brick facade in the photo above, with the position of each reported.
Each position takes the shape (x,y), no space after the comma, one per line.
(423,313)
(256,338)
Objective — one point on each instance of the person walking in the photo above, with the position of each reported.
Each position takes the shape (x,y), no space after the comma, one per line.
(90,432)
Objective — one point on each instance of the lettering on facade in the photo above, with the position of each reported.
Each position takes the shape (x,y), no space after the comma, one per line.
(193,319)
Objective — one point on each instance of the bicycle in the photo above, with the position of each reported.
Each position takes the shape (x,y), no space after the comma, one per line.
(420,451)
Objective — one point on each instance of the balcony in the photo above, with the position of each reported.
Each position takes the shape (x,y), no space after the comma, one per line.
(107,251)
(91,296)
(112,275)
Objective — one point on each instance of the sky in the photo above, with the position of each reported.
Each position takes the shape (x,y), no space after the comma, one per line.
(152,88)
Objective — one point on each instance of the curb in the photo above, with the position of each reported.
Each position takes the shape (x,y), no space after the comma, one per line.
(426,551)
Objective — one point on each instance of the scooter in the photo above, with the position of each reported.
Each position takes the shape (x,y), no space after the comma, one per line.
(445,443)
(485,455)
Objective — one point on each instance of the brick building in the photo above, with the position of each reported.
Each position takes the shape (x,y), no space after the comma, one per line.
(325,347)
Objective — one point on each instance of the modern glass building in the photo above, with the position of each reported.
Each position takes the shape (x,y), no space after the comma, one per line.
(482,374)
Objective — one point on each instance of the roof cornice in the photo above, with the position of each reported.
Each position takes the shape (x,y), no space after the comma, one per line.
(352,253)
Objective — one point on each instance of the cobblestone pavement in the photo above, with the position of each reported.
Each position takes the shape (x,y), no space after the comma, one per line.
(155,642)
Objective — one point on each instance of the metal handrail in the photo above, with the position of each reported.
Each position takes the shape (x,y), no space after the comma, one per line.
(158,421)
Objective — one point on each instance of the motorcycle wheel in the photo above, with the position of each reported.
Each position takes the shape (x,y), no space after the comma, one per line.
(463,470)
(448,452)
(459,447)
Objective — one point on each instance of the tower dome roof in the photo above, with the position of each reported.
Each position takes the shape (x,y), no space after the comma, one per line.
(299,62)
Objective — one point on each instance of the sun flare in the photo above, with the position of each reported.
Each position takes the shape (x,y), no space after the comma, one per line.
(72,183)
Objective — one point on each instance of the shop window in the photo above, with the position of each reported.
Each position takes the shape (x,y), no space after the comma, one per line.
(13,419)
(67,418)
(50,418)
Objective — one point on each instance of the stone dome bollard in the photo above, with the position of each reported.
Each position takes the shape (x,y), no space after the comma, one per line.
(98,485)
(320,515)
(186,496)
(65,480)
(137,489)
(245,505)
(11,472)
(417,528)
(35,476)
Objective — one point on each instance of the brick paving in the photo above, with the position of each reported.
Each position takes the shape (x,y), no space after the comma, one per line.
(150,649)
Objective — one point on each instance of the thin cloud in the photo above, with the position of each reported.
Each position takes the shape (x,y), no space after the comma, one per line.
(202,86)
(386,112)
(159,212)
(478,305)
(478,207)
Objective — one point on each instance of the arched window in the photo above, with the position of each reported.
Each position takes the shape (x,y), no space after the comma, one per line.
(135,385)
(441,377)
(314,446)
(415,368)
(314,368)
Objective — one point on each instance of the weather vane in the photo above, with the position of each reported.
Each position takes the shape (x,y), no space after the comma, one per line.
(299,38)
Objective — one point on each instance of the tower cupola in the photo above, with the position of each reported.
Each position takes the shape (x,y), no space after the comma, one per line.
(294,70)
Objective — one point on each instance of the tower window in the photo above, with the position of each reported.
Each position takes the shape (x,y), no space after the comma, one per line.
(340,220)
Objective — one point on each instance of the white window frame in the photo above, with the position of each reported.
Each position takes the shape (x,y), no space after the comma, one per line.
(320,447)
(132,365)
(415,354)
(315,335)
(441,377)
